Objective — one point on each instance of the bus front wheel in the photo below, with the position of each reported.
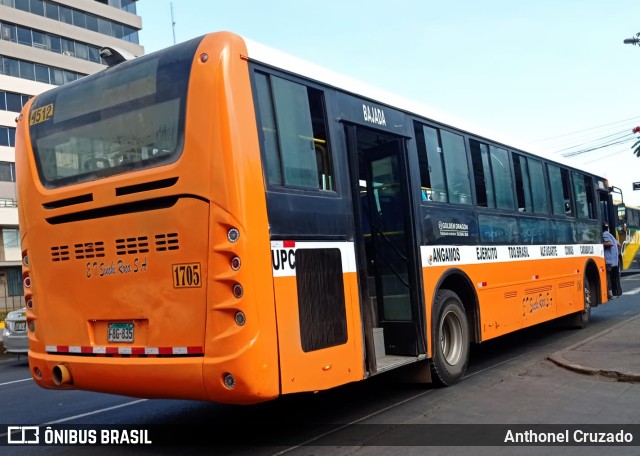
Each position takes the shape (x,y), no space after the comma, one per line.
(451,339)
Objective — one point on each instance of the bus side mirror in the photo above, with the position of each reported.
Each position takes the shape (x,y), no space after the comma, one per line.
(113,55)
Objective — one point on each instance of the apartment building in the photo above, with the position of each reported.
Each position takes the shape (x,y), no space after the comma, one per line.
(45,43)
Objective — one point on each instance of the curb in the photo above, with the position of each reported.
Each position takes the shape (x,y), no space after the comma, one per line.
(559,359)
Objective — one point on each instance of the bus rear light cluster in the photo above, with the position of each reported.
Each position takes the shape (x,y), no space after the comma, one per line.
(240,318)
(233,235)
(26,280)
(235,263)
(229,381)
(238,291)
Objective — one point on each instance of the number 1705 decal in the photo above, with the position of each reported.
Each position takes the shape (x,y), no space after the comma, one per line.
(187,275)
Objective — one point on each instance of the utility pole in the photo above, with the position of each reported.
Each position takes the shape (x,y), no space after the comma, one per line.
(173,23)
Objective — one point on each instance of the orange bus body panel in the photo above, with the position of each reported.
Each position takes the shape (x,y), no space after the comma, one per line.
(513,296)
(318,369)
(75,300)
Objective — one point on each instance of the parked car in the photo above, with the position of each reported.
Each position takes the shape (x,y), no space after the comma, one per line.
(14,336)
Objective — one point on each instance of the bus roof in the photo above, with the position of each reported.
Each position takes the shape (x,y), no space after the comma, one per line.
(275,58)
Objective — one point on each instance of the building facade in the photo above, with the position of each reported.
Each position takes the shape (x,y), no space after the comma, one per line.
(45,43)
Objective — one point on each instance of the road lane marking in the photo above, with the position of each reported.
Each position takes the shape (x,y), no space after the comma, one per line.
(16,381)
(95,412)
(631,292)
(82,415)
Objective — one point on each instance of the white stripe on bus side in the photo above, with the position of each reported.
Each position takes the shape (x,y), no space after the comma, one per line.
(444,255)
(283,255)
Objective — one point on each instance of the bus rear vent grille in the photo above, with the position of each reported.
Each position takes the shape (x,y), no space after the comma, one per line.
(60,253)
(166,242)
(131,246)
(88,250)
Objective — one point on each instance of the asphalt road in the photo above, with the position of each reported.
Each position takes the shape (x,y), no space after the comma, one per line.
(509,381)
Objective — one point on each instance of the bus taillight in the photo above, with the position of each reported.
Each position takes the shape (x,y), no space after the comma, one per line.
(240,318)
(238,291)
(233,235)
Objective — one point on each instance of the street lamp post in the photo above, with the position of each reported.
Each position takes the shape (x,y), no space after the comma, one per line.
(635,40)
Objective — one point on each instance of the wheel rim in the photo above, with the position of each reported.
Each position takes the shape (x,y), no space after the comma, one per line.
(451,338)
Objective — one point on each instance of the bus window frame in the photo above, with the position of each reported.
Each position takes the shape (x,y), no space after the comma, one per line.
(330,132)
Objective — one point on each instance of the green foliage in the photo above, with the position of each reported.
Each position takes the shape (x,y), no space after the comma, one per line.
(636,148)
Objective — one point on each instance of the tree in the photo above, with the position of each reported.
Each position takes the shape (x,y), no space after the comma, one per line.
(636,146)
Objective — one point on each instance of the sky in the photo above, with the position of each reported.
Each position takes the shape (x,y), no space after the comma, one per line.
(551,77)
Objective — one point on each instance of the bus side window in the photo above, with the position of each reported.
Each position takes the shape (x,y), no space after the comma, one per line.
(493,180)
(444,173)
(294,134)
(482,174)
(523,184)
(501,169)
(456,168)
(431,164)
(583,189)
(538,186)
(560,190)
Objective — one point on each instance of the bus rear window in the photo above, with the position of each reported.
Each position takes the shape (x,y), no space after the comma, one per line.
(124,118)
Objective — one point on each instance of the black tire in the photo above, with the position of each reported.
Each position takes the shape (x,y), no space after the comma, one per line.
(450,339)
(580,320)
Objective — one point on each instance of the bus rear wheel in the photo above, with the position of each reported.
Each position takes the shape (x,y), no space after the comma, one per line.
(580,320)
(451,339)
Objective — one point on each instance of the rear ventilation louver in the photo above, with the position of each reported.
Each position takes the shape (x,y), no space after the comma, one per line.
(88,250)
(166,242)
(125,246)
(60,253)
(132,246)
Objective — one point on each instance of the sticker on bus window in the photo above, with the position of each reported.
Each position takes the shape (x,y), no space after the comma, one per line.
(41,114)
(187,275)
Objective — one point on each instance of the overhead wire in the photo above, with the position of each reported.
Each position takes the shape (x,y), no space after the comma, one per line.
(599,138)
(597,147)
(586,129)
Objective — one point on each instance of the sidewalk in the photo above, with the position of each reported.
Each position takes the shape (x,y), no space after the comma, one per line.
(613,353)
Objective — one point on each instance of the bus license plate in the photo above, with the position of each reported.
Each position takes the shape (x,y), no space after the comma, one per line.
(120,332)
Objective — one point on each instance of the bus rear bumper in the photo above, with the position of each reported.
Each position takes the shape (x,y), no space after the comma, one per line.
(179,378)
(186,377)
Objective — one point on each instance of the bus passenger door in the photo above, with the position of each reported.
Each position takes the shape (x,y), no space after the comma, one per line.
(386,249)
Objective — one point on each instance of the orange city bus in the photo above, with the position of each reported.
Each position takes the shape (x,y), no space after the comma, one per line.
(220,221)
